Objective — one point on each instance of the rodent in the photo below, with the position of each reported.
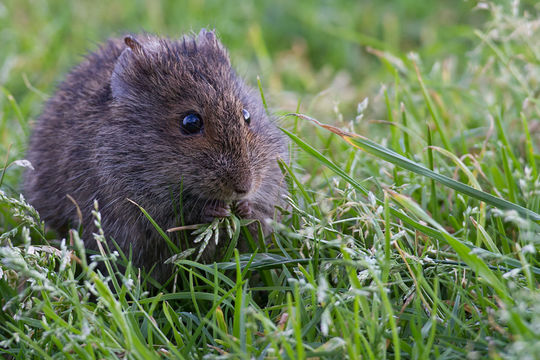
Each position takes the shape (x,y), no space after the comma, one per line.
(161,122)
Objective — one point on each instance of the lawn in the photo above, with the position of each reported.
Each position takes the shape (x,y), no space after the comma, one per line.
(412,225)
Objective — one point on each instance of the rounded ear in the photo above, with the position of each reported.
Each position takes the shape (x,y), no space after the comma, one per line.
(208,39)
(133,44)
(207,36)
(119,84)
(133,57)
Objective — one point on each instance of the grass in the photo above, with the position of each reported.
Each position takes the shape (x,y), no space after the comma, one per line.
(418,239)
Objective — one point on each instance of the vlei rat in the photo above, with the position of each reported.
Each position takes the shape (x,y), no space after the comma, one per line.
(161,122)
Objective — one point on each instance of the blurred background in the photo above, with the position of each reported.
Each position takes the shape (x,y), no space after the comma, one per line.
(298,47)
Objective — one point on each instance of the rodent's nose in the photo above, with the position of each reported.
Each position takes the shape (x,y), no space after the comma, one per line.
(240,184)
(242,187)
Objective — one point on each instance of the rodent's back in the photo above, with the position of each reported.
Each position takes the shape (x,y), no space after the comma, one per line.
(60,146)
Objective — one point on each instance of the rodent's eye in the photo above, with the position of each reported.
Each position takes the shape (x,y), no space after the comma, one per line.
(247,116)
(192,124)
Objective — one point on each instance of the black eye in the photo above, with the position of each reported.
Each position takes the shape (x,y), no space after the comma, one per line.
(247,116)
(192,124)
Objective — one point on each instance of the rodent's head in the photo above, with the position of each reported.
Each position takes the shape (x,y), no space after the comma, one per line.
(186,118)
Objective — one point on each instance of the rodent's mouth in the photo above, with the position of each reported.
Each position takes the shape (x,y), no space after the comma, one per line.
(228,198)
(218,197)
(229,195)
(223,194)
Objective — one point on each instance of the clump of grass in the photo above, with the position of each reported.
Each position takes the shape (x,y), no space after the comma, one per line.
(423,246)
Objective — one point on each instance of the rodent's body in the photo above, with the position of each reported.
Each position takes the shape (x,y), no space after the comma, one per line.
(112,132)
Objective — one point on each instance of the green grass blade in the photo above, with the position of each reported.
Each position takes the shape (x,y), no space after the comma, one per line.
(320,157)
(529,143)
(259,85)
(173,247)
(432,110)
(501,134)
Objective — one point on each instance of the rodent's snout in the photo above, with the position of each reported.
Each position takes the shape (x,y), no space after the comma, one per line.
(239,185)
(242,186)
(234,179)
(229,187)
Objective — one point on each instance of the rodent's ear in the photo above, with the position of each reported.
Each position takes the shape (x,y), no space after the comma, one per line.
(122,72)
(133,44)
(135,59)
(209,39)
(207,35)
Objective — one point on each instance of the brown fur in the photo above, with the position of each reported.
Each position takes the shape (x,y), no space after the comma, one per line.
(112,132)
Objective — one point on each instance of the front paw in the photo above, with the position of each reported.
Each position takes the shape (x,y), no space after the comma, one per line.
(215,210)
(244,209)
